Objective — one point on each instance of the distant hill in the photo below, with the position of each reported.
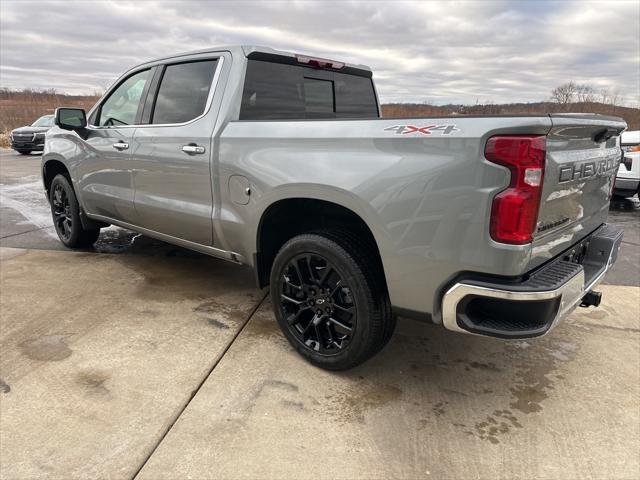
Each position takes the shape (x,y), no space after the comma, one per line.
(18,108)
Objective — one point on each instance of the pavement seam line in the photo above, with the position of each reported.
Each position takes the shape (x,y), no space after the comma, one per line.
(199,386)
(24,233)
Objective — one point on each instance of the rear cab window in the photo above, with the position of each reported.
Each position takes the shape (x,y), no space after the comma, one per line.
(183,92)
(280,91)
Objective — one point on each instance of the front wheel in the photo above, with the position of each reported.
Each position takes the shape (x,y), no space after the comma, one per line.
(24,152)
(329,299)
(65,211)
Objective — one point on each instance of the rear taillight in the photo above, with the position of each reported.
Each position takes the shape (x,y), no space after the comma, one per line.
(514,212)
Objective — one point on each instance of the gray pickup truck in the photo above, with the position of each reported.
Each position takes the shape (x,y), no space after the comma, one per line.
(489,226)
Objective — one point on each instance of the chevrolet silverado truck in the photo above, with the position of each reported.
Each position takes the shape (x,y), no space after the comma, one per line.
(492,226)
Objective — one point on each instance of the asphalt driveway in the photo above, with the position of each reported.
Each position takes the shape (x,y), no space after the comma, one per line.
(141,359)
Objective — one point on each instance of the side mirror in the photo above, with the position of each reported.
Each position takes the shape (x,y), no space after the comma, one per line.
(71,118)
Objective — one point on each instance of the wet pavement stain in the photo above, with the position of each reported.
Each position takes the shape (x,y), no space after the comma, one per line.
(264,326)
(485,366)
(533,379)
(438,408)
(94,383)
(48,348)
(292,405)
(353,404)
(500,423)
(4,386)
(217,324)
(514,379)
(490,429)
(281,389)
(272,384)
(221,311)
(228,310)
(193,277)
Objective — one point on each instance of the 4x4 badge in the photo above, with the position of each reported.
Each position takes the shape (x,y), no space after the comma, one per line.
(425,130)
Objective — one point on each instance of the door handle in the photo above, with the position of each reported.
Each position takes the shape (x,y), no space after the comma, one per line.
(193,149)
(121,146)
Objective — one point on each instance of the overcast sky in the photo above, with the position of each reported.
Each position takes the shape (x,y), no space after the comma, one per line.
(437,52)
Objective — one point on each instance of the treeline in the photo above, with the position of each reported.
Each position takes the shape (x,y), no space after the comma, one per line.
(23,107)
(630,115)
(568,97)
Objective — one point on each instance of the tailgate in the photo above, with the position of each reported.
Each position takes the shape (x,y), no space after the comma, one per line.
(583,154)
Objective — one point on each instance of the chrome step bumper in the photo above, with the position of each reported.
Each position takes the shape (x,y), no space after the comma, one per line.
(533,307)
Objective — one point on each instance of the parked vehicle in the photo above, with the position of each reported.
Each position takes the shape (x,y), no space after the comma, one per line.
(628,177)
(25,140)
(490,226)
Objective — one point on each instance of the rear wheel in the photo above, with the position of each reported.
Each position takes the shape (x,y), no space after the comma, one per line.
(329,300)
(24,152)
(65,211)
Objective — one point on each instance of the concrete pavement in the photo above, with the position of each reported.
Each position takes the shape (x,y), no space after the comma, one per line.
(101,353)
(432,405)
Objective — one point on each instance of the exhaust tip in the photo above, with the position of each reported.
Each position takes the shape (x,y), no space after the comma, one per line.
(591,299)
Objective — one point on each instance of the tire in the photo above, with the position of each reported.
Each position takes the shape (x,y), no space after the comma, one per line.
(330,299)
(65,212)
(374,272)
(24,152)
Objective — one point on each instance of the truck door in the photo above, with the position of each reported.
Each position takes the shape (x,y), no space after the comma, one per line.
(104,176)
(171,157)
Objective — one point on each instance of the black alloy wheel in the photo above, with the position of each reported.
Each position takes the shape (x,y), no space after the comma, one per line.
(330,299)
(61,209)
(65,212)
(318,304)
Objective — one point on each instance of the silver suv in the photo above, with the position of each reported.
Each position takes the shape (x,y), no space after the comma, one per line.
(490,226)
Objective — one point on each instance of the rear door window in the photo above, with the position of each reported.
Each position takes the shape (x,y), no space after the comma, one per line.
(272,91)
(184,91)
(277,91)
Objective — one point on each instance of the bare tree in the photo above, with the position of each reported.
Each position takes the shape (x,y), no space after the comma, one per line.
(614,97)
(585,93)
(564,93)
(610,96)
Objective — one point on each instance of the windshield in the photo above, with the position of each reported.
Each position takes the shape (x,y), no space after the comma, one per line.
(46,121)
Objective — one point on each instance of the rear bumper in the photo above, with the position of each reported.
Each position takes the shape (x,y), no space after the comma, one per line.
(532,307)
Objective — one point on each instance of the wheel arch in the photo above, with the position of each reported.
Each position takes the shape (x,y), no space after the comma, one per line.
(53,166)
(291,215)
(50,168)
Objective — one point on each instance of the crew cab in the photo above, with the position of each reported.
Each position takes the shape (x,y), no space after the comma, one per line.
(491,226)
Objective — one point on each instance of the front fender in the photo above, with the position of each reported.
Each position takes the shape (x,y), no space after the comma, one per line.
(61,146)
